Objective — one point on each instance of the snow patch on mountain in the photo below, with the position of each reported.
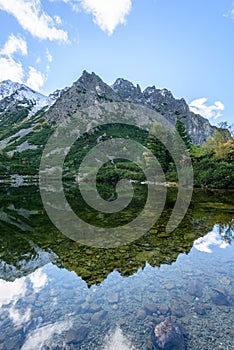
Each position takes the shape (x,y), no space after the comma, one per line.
(13,92)
(19,92)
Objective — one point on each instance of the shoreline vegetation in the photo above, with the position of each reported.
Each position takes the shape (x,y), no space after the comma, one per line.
(26,180)
(212,162)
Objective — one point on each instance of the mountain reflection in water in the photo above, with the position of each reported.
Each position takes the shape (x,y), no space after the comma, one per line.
(58,294)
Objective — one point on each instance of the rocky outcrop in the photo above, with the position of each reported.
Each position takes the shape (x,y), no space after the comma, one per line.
(171,108)
(126,90)
(88,90)
(18,101)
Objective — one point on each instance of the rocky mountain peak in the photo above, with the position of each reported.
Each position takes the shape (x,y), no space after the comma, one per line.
(54,96)
(88,90)
(88,80)
(163,93)
(160,100)
(90,83)
(163,101)
(126,90)
(16,97)
(9,88)
(91,90)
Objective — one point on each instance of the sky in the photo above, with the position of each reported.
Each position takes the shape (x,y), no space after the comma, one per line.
(185,46)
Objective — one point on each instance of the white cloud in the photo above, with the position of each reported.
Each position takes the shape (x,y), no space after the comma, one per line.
(230,13)
(37,338)
(108,14)
(10,69)
(75,7)
(19,318)
(199,106)
(38,60)
(35,79)
(14,44)
(72,3)
(57,20)
(10,293)
(33,19)
(49,56)
(13,70)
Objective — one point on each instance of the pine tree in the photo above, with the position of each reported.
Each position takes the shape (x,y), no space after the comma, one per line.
(183,133)
(157,147)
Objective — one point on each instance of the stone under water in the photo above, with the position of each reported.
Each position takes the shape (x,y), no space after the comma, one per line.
(167,335)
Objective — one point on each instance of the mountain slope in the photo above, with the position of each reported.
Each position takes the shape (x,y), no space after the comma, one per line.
(28,118)
(172,109)
(15,98)
(88,90)
(18,101)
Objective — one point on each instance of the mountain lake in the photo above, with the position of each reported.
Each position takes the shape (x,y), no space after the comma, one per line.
(56,293)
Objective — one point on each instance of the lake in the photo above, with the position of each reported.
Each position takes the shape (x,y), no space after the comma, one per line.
(56,293)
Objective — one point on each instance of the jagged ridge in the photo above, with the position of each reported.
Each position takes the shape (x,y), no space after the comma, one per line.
(164,102)
(90,90)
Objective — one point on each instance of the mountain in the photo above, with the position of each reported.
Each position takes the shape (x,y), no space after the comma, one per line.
(18,101)
(15,97)
(90,90)
(27,118)
(172,109)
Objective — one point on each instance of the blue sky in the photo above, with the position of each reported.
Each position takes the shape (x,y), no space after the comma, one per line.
(186,46)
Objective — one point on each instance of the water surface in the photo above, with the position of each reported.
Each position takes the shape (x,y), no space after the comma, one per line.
(59,294)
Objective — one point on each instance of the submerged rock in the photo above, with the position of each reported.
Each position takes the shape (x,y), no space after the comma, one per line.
(76,335)
(177,309)
(200,310)
(94,307)
(168,336)
(98,316)
(141,314)
(219,298)
(195,288)
(150,308)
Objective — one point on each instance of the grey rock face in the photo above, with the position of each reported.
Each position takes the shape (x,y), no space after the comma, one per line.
(126,90)
(172,109)
(88,90)
(92,84)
